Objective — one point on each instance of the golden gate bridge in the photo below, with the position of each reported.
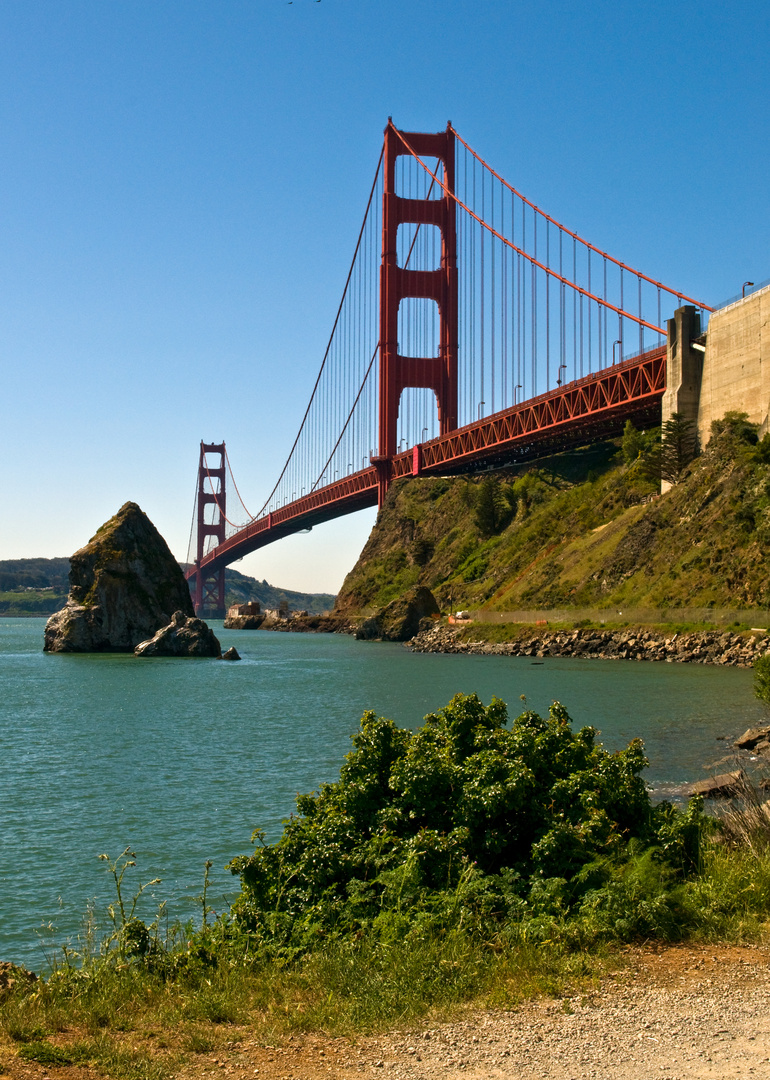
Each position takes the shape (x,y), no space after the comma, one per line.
(473,330)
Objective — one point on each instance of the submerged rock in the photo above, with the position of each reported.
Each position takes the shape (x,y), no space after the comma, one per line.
(124,585)
(184,636)
(400,620)
(724,786)
(12,976)
(757,739)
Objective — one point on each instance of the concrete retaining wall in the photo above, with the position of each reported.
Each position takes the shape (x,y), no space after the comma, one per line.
(732,374)
(736,365)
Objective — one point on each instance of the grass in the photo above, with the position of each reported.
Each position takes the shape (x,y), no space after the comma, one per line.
(31,602)
(125,1019)
(134,1024)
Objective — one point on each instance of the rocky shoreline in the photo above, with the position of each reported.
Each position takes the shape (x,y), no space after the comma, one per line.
(310,624)
(697,647)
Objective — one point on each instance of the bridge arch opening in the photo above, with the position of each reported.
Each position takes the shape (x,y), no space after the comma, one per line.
(418,247)
(413,182)
(419,327)
(418,420)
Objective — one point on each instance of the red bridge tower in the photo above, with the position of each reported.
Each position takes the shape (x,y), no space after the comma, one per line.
(397,372)
(209,597)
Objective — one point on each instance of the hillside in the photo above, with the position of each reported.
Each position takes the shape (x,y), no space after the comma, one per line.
(580,530)
(33,586)
(239,589)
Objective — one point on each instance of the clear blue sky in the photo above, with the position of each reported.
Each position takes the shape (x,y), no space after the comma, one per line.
(181,182)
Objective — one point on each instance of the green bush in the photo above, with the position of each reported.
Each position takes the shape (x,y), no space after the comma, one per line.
(469,823)
(762,678)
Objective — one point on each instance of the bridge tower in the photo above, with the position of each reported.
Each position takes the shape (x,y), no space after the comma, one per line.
(397,372)
(209,597)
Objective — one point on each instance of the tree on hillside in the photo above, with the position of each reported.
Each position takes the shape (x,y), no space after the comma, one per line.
(633,443)
(677,447)
(486,507)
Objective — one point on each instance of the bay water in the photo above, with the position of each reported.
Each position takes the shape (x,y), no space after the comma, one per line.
(181,760)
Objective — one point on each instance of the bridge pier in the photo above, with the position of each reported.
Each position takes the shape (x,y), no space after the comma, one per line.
(684,365)
(736,363)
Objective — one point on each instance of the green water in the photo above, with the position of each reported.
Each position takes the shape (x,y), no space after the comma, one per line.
(182,759)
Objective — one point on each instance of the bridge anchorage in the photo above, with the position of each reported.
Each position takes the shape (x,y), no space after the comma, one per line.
(473,330)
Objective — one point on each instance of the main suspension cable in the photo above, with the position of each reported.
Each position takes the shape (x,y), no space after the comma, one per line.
(331,336)
(536,262)
(553,221)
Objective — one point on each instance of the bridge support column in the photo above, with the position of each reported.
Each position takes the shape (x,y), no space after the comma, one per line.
(684,365)
(684,369)
(397,372)
(209,597)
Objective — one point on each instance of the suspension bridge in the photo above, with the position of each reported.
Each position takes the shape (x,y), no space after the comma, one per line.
(474,330)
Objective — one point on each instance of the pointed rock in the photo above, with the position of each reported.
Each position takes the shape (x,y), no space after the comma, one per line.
(124,585)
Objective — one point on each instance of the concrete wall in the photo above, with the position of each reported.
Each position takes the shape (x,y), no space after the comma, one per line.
(736,364)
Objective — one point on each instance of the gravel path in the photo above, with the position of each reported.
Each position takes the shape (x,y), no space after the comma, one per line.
(675,1013)
(698,1016)
(679,1013)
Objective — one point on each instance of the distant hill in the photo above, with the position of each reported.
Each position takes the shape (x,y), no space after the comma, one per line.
(33,586)
(34,574)
(40,587)
(239,589)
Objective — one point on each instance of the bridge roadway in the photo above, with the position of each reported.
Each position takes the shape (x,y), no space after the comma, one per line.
(582,411)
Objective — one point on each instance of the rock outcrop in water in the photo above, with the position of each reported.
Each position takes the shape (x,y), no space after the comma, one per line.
(184,636)
(124,586)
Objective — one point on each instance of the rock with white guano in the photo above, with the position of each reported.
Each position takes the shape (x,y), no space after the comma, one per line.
(184,636)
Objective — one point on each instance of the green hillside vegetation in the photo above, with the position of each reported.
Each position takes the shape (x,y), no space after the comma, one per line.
(585,529)
(34,574)
(33,586)
(25,602)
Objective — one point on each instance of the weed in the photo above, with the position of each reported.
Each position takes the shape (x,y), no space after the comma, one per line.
(199,1041)
(45,1053)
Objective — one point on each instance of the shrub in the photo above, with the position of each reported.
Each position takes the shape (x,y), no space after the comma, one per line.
(762,678)
(464,822)
(737,426)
